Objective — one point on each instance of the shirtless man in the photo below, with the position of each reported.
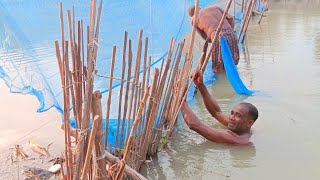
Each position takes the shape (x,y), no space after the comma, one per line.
(208,21)
(239,121)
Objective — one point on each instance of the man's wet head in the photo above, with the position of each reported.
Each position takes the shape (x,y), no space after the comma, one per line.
(191,10)
(242,118)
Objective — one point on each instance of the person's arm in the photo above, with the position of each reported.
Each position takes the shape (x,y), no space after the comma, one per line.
(229,18)
(210,103)
(211,134)
(203,35)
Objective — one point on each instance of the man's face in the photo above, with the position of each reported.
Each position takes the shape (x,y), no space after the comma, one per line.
(239,120)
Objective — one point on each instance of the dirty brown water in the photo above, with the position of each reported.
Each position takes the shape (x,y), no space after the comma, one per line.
(281,61)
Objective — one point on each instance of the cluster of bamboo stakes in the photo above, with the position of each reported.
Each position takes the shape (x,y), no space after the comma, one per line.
(149,102)
(248,8)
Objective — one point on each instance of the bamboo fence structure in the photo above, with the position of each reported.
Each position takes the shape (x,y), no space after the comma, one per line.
(143,101)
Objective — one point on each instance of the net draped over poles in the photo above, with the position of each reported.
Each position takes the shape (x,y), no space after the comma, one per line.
(28,29)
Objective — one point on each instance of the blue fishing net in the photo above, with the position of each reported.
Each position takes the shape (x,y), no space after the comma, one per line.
(231,69)
(28,29)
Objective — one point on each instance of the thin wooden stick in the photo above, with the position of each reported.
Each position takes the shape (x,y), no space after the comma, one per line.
(145,63)
(149,68)
(263,10)
(132,133)
(234,10)
(127,169)
(161,67)
(242,6)
(62,29)
(194,29)
(122,77)
(136,97)
(90,146)
(66,111)
(136,77)
(83,67)
(80,70)
(126,95)
(150,108)
(114,51)
(248,20)
(247,17)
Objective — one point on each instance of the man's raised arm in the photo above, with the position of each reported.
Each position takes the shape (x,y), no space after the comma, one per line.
(211,105)
(214,135)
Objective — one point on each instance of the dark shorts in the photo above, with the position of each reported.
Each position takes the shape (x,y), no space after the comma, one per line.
(216,56)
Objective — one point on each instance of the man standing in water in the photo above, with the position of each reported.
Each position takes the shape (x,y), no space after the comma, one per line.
(239,121)
(208,22)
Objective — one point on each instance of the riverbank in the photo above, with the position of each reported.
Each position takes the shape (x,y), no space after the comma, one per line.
(19,123)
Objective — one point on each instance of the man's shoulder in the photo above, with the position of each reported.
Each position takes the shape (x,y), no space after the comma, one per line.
(239,139)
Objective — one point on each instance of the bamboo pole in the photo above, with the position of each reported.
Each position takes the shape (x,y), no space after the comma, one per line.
(193,33)
(136,79)
(248,20)
(247,17)
(99,143)
(242,6)
(66,109)
(62,29)
(150,108)
(114,51)
(90,146)
(127,169)
(149,68)
(92,54)
(122,77)
(263,10)
(136,97)
(161,67)
(122,135)
(145,64)
(80,69)
(73,86)
(132,133)
(234,10)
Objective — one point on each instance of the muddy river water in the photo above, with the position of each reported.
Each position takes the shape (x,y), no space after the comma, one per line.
(282,63)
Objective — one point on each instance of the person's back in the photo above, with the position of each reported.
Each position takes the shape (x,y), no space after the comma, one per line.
(209,19)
